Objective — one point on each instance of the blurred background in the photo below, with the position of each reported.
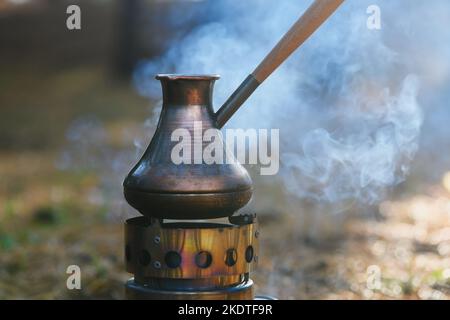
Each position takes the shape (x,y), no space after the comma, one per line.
(77,108)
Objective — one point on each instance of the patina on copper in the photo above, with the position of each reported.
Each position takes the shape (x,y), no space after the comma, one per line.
(158,187)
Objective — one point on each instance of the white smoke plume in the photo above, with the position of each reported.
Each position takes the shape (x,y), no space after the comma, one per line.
(346,102)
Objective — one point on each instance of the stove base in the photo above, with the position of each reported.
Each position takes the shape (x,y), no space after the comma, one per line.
(243,291)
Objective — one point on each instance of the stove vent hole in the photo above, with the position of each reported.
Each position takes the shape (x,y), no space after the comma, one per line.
(144,258)
(172,259)
(249,254)
(203,259)
(231,257)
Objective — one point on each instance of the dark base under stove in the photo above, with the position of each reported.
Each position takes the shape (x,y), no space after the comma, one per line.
(242,291)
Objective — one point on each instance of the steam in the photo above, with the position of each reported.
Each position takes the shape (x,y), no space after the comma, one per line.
(359,164)
(346,103)
(91,149)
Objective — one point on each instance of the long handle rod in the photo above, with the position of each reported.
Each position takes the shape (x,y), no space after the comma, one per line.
(305,26)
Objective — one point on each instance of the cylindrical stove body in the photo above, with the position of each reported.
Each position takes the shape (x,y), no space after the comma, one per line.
(191,260)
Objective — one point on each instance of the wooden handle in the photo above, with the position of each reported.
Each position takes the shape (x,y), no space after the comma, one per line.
(316,14)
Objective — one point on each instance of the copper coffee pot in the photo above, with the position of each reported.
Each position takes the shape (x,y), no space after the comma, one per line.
(157,187)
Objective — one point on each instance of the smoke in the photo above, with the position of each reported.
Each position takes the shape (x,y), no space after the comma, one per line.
(92,149)
(346,103)
(373,153)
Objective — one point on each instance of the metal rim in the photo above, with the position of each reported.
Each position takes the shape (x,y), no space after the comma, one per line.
(172,76)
